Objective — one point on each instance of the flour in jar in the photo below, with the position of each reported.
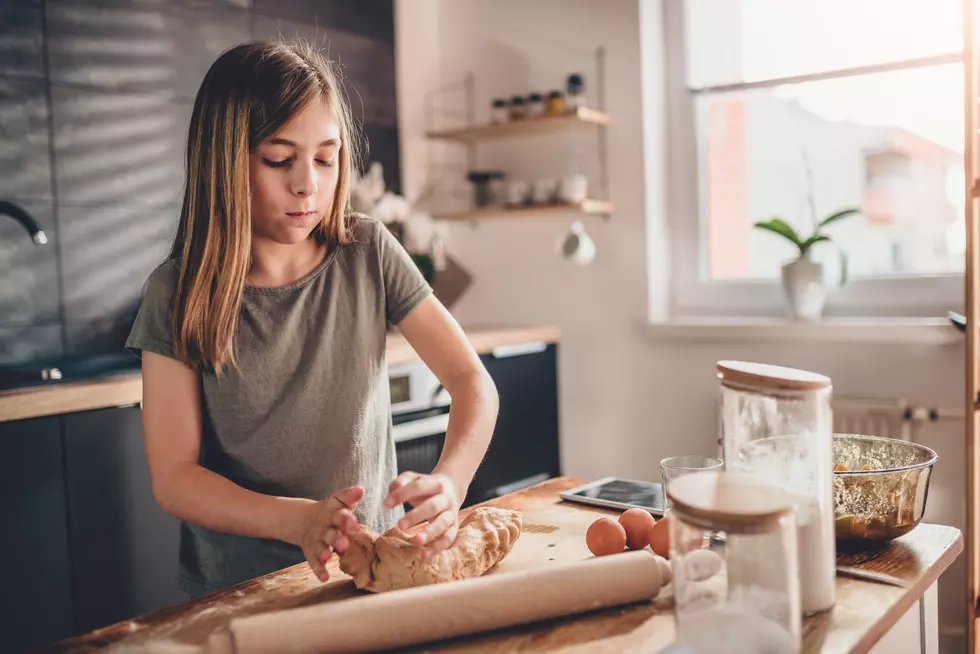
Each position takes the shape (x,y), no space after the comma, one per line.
(815,541)
(795,463)
(728,629)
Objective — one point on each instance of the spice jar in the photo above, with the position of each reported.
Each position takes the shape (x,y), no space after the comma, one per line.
(518,108)
(498,111)
(777,425)
(744,595)
(576,92)
(556,104)
(535,105)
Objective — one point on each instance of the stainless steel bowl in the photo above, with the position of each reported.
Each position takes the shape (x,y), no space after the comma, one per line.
(880,486)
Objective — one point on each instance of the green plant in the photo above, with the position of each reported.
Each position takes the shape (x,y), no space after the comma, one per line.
(781,227)
(426,265)
(784,229)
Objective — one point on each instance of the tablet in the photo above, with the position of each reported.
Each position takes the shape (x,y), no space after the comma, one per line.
(618,493)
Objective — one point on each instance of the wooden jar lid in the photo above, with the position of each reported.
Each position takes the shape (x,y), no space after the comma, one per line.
(764,376)
(728,501)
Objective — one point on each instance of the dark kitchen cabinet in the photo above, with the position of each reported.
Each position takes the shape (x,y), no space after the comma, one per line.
(123,546)
(36,578)
(524,449)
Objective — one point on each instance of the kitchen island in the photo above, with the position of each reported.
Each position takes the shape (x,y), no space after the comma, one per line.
(865,613)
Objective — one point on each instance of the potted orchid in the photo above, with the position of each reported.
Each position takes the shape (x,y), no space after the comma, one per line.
(803,278)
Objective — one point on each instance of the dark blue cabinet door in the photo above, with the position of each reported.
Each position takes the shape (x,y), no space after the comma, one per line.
(524,449)
(36,578)
(123,546)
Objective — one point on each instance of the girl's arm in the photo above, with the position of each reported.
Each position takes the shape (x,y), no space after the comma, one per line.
(440,342)
(190,492)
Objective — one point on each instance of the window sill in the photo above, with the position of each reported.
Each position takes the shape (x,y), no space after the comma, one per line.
(908,331)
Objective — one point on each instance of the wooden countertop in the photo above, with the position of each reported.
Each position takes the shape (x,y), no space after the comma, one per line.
(864,612)
(126,389)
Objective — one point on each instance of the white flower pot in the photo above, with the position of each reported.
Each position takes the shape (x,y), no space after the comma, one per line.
(805,287)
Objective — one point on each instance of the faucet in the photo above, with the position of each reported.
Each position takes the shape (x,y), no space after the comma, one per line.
(25,219)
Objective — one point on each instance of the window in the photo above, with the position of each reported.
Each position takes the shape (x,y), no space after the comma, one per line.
(800,109)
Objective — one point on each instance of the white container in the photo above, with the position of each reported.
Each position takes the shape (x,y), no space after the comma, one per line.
(518,192)
(574,188)
(743,596)
(777,425)
(545,191)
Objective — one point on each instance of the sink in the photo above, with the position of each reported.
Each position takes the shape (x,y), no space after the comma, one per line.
(68,369)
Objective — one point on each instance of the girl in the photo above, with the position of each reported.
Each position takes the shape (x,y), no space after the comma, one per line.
(266,406)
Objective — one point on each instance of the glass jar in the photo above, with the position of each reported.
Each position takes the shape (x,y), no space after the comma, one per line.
(518,108)
(556,104)
(498,111)
(535,105)
(777,424)
(575,87)
(742,595)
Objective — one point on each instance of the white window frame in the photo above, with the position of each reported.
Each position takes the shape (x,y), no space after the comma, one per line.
(691,295)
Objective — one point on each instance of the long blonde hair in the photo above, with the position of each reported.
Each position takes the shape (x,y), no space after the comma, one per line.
(249,93)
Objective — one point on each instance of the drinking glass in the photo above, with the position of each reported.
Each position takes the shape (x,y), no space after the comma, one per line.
(676,466)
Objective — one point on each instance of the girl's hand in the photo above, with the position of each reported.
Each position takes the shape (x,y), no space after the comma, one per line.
(325,526)
(435,499)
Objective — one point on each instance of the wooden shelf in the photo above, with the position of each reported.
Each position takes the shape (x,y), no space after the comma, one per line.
(581,117)
(586,207)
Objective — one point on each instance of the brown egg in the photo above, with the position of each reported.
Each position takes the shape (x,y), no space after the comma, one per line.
(605,536)
(637,523)
(660,537)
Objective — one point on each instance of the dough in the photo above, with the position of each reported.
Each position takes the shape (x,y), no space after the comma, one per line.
(393,560)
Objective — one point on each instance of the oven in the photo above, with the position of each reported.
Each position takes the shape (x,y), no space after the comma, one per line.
(419,416)
(524,448)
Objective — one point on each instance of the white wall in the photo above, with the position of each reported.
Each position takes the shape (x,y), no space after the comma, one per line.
(626,401)
(514,46)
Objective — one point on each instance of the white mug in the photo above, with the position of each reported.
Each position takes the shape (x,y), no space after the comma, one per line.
(574,188)
(517,192)
(545,190)
(577,246)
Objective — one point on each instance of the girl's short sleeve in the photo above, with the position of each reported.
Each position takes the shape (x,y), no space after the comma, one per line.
(405,286)
(151,329)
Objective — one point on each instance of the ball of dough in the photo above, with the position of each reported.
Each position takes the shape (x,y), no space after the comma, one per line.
(393,560)
(637,523)
(605,536)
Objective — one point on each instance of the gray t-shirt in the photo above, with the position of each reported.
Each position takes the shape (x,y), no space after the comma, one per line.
(307,411)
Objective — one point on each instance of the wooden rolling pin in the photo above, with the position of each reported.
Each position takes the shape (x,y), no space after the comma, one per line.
(428,613)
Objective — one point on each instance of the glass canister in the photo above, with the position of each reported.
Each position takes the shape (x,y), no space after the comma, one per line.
(555,104)
(575,97)
(518,108)
(498,111)
(535,105)
(777,425)
(742,595)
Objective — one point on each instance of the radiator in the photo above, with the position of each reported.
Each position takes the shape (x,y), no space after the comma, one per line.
(889,417)
(875,416)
